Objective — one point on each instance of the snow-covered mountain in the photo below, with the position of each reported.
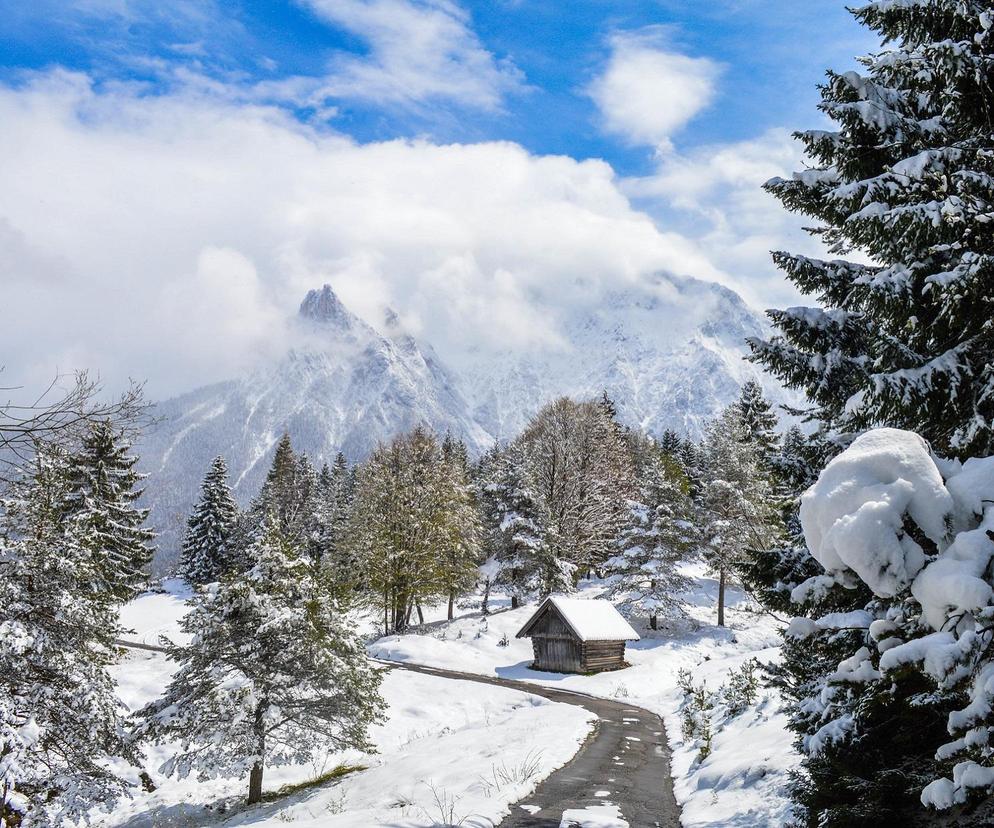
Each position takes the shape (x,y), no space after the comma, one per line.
(669,352)
(342,387)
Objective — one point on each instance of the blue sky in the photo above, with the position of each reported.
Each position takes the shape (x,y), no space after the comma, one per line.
(177,173)
(770,54)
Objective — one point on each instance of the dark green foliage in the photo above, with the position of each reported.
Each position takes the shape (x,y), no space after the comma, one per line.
(101,491)
(207,548)
(905,177)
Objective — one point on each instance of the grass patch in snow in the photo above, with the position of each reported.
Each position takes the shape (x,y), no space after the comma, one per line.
(330,776)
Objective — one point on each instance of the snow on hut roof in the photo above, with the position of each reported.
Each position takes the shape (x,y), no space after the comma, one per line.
(592,619)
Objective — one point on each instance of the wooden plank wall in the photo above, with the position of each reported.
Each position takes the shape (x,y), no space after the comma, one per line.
(602,655)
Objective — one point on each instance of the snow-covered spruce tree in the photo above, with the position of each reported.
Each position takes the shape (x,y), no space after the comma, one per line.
(737,512)
(100,513)
(273,673)
(770,574)
(759,420)
(331,501)
(285,495)
(518,559)
(656,539)
(889,521)
(60,718)
(207,553)
(904,178)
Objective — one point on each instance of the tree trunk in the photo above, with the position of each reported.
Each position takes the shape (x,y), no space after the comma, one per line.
(653,622)
(421,615)
(514,602)
(255,784)
(721,596)
(386,612)
(452,603)
(486,599)
(255,775)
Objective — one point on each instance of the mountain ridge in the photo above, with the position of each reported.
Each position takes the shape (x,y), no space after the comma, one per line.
(669,352)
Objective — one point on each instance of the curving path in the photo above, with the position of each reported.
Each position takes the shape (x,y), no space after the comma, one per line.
(625,762)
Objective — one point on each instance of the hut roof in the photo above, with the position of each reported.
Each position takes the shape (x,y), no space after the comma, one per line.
(590,619)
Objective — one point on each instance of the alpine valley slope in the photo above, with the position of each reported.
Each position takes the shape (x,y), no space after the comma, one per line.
(670,354)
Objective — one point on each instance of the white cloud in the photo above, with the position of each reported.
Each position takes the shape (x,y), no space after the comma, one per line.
(419,50)
(713,194)
(647,92)
(167,237)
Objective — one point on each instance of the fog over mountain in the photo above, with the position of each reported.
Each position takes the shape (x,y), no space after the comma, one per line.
(670,353)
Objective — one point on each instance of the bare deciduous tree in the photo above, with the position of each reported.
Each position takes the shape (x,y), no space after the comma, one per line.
(61,412)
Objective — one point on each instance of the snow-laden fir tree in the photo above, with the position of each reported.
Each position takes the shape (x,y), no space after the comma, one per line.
(737,512)
(771,573)
(60,718)
(207,549)
(273,674)
(331,502)
(100,512)
(901,334)
(656,539)
(519,561)
(759,420)
(901,337)
(285,495)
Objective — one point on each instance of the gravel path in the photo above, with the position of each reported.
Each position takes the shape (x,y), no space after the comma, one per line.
(625,762)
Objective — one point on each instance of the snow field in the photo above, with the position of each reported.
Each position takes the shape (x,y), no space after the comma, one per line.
(741,782)
(448,750)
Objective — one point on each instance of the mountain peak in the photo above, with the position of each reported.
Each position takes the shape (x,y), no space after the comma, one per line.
(325,307)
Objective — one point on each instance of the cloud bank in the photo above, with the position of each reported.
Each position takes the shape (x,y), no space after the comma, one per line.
(168,237)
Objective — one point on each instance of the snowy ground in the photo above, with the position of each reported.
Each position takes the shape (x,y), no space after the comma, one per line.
(741,782)
(449,751)
(473,749)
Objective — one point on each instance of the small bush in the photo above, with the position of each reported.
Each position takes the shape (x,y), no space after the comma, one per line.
(743,687)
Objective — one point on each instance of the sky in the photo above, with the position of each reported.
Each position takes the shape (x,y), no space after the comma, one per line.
(177,173)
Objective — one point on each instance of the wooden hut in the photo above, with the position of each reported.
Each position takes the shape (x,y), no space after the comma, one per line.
(578,635)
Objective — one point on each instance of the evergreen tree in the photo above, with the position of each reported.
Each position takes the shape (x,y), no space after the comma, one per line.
(519,560)
(60,718)
(759,420)
(207,553)
(286,495)
(905,177)
(101,491)
(655,541)
(273,674)
(771,573)
(671,443)
(737,513)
